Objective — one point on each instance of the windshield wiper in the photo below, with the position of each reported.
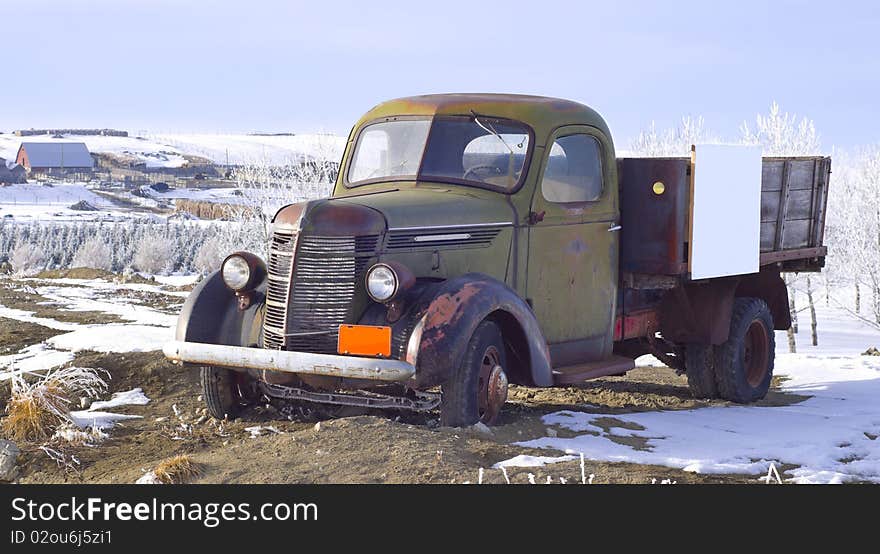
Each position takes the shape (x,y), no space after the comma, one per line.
(489,129)
(511,157)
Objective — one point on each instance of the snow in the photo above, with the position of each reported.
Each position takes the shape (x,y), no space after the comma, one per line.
(134,397)
(100,420)
(169,150)
(152,154)
(524,460)
(243,149)
(59,194)
(23,315)
(34,201)
(147,331)
(176,280)
(831,437)
(149,478)
(34,358)
(119,338)
(82,299)
(94,418)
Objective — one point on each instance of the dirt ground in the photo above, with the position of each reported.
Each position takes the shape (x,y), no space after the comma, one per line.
(307,445)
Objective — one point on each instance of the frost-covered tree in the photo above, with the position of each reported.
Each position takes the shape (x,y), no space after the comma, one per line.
(210,255)
(864,234)
(27,259)
(677,141)
(153,255)
(782,134)
(94,253)
(264,186)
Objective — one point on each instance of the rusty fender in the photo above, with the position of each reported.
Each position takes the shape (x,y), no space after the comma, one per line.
(458,306)
(211,314)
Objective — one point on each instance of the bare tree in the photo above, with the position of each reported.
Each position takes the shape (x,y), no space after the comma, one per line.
(780,133)
(652,143)
(265,186)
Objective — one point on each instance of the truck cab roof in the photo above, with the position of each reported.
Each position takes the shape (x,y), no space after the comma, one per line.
(541,113)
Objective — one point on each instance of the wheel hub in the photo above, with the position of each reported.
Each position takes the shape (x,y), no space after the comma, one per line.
(756,353)
(493,386)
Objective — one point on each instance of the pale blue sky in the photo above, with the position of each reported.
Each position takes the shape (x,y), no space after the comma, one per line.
(271,65)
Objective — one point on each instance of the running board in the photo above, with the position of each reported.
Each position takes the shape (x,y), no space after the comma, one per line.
(574,374)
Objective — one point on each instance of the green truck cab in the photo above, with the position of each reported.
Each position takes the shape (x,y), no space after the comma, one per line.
(477,240)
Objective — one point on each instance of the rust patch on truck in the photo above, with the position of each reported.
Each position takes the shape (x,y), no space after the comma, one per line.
(451,317)
(446,310)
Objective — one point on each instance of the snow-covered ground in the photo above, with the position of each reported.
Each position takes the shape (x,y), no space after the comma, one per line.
(144,329)
(25,203)
(244,149)
(831,437)
(168,150)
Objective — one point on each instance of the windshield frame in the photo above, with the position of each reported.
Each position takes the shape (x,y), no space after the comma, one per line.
(419,177)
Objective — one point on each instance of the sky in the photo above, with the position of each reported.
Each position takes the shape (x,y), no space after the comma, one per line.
(293,66)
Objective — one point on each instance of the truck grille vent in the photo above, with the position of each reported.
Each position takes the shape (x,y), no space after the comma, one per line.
(453,237)
(281,251)
(326,273)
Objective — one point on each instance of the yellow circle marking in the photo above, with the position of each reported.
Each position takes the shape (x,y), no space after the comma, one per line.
(659,188)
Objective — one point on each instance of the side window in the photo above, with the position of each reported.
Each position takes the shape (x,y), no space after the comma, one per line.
(574,170)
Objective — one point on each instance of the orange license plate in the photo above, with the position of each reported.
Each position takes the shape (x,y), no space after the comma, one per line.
(364,340)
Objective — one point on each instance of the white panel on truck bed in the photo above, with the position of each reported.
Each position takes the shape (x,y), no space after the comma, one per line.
(726,211)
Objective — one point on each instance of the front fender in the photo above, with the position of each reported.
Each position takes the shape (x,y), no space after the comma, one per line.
(457,307)
(211,315)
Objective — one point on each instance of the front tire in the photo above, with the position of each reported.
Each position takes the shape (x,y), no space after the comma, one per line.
(222,391)
(744,364)
(477,389)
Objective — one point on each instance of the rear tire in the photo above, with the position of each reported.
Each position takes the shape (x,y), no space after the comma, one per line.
(466,397)
(222,392)
(699,360)
(744,364)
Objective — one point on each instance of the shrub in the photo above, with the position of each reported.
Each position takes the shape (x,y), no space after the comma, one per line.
(177,469)
(37,409)
(210,256)
(27,259)
(153,254)
(94,253)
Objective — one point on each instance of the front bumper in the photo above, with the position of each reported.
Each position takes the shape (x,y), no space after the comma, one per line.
(330,365)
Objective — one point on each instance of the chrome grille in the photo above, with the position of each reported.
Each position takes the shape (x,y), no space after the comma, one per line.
(452,237)
(325,274)
(281,251)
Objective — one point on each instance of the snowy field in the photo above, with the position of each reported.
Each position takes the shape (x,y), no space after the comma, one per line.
(30,202)
(169,150)
(144,328)
(831,437)
(247,149)
(26,203)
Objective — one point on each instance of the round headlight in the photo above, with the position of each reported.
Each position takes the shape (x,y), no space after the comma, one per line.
(236,272)
(381,283)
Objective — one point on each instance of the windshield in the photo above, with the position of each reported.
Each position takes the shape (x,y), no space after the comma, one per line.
(475,150)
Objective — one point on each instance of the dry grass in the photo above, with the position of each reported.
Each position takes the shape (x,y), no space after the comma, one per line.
(37,408)
(177,469)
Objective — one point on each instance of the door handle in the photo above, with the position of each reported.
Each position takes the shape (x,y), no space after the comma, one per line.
(536,217)
(615,227)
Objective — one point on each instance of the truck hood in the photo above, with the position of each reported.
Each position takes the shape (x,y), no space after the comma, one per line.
(429,207)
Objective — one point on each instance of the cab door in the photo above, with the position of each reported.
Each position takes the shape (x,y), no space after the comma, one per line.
(573,245)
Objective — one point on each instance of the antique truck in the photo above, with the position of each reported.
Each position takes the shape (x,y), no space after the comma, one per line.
(476,240)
